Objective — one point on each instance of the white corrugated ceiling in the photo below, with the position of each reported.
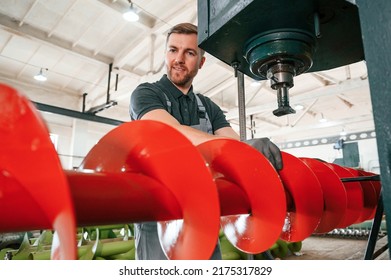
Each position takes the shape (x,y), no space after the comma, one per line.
(77,40)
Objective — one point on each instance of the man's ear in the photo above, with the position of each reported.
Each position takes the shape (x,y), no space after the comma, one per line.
(202,62)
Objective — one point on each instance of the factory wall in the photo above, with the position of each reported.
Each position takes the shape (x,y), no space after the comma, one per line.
(367,148)
(75,138)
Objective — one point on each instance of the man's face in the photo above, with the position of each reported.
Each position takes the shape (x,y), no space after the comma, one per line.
(183,59)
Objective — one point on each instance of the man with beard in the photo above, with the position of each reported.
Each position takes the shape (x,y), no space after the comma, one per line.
(171,100)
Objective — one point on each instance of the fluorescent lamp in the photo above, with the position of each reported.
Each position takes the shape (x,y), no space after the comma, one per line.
(40,76)
(322,119)
(131,14)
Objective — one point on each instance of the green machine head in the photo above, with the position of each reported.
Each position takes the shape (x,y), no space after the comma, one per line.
(280,39)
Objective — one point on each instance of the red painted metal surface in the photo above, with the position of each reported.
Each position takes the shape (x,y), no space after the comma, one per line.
(103,198)
(107,198)
(134,174)
(245,167)
(233,199)
(33,189)
(334,195)
(377,189)
(307,196)
(354,196)
(370,198)
(138,146)
(376,184)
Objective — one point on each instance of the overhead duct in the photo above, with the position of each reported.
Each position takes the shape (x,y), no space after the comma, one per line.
(75,114)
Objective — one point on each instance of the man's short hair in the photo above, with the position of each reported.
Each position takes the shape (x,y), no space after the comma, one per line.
(184,28)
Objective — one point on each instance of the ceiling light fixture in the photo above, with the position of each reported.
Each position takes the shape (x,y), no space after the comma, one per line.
(131,14)
(322,119)
(40,76)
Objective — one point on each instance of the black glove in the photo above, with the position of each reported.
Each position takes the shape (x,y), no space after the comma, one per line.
(268,149)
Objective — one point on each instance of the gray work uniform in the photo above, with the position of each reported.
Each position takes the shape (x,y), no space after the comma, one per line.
(146,234)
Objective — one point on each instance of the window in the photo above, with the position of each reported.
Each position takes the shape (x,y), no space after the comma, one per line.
(54,139)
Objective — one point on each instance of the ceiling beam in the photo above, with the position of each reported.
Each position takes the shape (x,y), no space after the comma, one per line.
(146,21)
(323,78)
(36,35)
(257,91)
(21,22)
(40,93)
(296,121)
(228,82)
(266,120)
(128,51)
(92,24)
(67,12)
(329,91)
(27,31)
(108,40)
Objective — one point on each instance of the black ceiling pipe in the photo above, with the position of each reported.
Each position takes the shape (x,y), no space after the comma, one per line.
(108,83)
(75,114)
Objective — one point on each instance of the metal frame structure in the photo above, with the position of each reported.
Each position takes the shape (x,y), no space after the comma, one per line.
(376,36)
(375,22)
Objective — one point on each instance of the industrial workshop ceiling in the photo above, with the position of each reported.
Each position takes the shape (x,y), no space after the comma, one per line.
(74,42)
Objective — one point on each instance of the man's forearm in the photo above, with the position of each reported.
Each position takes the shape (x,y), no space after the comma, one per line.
(195,136)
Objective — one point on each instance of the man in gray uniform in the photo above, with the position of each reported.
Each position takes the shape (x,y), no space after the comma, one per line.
(171,100)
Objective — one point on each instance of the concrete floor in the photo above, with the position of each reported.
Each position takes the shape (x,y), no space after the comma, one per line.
(336,248)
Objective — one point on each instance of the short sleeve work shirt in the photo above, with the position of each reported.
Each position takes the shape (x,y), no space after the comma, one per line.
(149,96)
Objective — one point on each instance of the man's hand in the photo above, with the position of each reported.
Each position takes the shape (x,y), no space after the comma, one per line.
(268,149)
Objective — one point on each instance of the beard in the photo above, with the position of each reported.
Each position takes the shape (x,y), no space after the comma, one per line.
(181,79)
